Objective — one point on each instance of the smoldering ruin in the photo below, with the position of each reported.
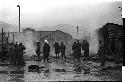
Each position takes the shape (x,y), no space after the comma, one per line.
(63,41)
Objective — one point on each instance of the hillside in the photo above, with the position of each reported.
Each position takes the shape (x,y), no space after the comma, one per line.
(8,27)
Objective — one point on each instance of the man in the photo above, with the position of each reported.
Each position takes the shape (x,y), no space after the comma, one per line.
(78,49)
(101,53)
(85,47)
(46,50)
(57,49)
(112,46)
(16,53)
(74,48)
(62,49)
(21,53)
(11,53)
(38,51)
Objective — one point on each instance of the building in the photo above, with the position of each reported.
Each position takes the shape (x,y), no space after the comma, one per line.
(112,34)
(29,37)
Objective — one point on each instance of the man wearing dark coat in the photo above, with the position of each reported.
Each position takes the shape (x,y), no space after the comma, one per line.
(11,53)
(16,53)
(57,49)
(101,53)
(46,50)
(38,51)
(62,49)
(85,47)
(21,53)
(74,48)
(78,49)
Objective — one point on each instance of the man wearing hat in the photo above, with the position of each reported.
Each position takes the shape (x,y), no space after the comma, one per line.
(38,51)
(101,53)
(57,49)
(46,50)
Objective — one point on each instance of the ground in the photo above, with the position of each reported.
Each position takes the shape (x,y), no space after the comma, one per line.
(60,70)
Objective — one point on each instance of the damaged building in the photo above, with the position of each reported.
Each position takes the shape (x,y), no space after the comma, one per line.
(112,36)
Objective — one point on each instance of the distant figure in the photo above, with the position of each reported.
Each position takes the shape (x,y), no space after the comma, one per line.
(57,49)
(74,48)
(46,50)
(118,50)
(85,47)
(78,49)
(62,49)
(38,51)
(11,53)
(113,45)
(16,53)
(21,53)
(101,53)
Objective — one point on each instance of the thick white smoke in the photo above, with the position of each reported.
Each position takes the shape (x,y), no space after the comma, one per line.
(92,38)
(29,41)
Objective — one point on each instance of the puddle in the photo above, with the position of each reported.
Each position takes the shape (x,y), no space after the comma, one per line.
(60,70)
(86,71)
(33,68)
(16,72)
(112,68)
(16,78)
(4,72)
(4,64)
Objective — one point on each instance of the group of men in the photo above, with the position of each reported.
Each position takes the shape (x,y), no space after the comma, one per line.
(46,50)
(16,52)
(60,49)
(77,47)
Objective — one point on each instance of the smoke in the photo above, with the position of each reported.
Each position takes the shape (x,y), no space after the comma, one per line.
(92,37)
(93,46)
(29,41)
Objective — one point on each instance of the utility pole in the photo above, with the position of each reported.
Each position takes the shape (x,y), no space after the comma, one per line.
(13,38)
(19,16)
(77,30)
(8,37)
(2,39)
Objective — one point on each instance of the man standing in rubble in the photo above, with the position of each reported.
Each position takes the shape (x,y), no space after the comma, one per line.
(38,51)
(85,47)
(101,53)
(57,49)
(21,53)
(78,45)
(46,51)
(74,48)
(11,53)
(16,53)
(62,49)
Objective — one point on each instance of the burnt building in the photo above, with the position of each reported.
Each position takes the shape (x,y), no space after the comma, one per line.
(112,36)
(29,37)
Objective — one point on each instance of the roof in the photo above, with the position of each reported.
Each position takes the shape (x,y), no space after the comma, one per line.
(113,29)
(52,32)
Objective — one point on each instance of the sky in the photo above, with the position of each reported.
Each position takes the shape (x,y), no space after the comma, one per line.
(49,13)
(86,14)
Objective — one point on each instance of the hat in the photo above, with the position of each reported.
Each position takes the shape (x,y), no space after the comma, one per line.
(18,43)
(46,41)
